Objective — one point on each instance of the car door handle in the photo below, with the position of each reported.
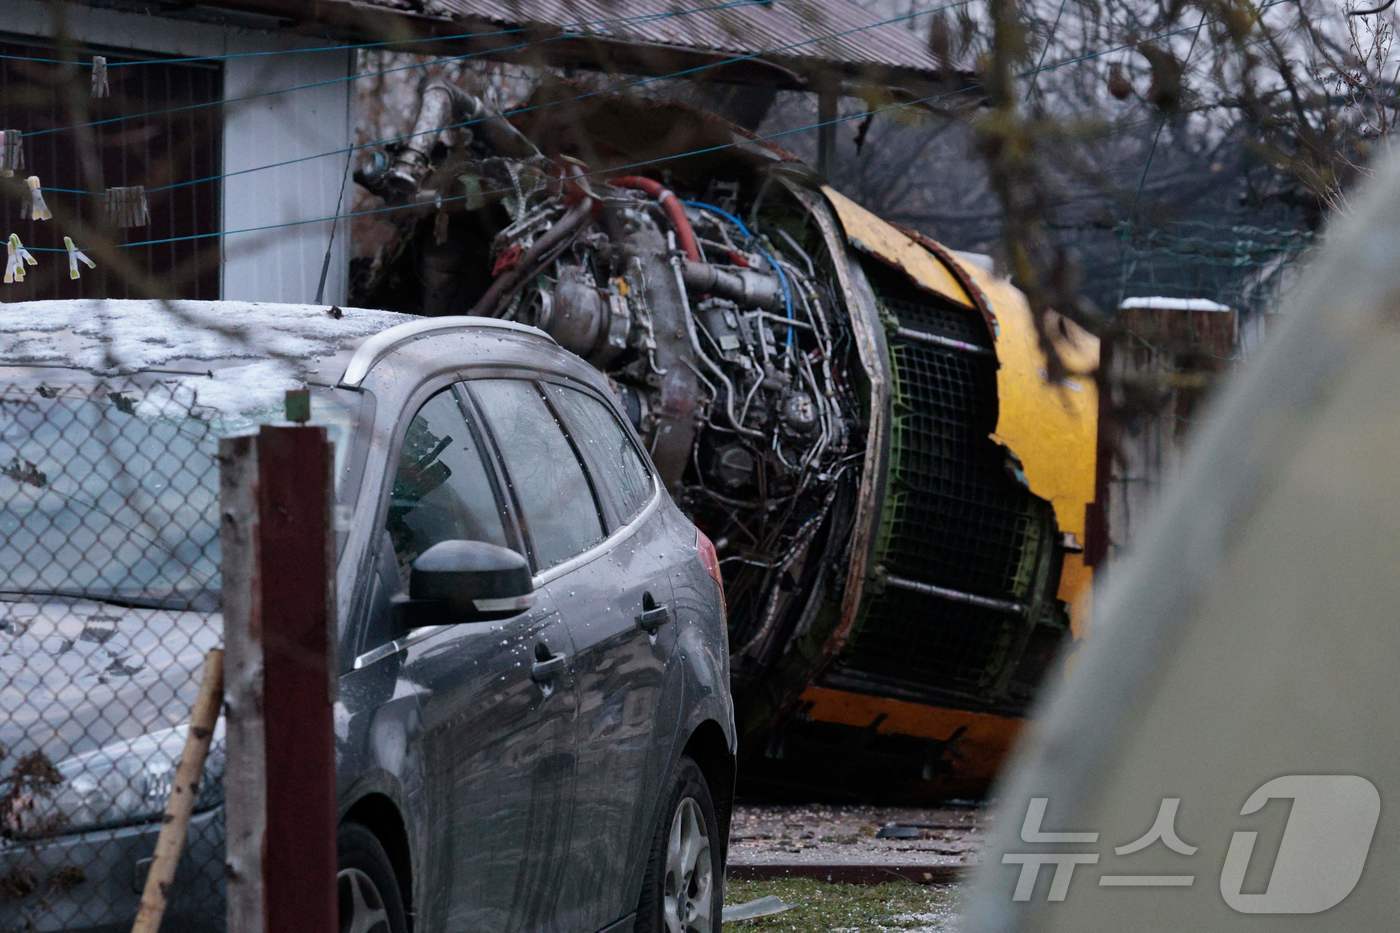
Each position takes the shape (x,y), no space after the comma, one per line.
(548,668)
(652,619)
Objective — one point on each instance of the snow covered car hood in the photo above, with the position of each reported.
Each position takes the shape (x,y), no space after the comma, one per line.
(76,675)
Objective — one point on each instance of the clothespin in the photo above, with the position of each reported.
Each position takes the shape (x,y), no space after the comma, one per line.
(126,207)
(35,208)
(100,87)
(15,260)
(76,256)
(11,152)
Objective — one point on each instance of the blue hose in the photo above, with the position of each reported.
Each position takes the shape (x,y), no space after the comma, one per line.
(773,263)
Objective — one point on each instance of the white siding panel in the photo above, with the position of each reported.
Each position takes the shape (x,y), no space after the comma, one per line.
(284,264)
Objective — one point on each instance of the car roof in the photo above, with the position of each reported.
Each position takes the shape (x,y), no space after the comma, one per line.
(129,335)
(320,342)
(381,345)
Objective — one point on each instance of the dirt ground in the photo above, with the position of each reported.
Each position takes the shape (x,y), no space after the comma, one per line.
(805,854)
(950,835)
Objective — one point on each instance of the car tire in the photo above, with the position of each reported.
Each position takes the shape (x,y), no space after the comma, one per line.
(683,886)
(367,889)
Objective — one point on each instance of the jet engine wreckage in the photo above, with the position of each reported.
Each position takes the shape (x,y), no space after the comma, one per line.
(855,415)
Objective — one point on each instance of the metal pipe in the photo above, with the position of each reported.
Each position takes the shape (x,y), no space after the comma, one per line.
(675,211)
(779,319)
(747,287)
(957,596)
(787,238)
(689,319)
(767,256)
(556,237)
(938,339)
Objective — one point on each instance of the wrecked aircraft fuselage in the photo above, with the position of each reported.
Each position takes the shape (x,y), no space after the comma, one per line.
(856,416)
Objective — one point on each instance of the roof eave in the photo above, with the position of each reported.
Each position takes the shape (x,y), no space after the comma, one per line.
(355,20)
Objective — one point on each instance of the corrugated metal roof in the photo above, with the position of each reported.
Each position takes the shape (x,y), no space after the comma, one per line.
(801,35)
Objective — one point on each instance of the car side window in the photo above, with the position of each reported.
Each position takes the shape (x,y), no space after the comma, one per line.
(441,489)
(622,476)
(555,500)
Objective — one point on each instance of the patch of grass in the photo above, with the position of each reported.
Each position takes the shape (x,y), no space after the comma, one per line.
(819,906)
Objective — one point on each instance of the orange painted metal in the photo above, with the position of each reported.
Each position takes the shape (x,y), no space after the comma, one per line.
(977,754)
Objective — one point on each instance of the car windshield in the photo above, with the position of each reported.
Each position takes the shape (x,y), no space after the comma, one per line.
(109,489)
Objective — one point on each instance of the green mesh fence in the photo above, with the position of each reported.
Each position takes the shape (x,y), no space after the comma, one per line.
(1239,265)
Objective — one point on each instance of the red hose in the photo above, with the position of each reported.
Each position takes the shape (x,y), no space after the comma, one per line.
(671,204)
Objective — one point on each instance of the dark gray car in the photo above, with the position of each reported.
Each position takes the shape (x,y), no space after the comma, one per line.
(562,758)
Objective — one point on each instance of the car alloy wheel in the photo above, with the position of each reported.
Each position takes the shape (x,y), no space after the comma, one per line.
(361,905)
(689,875)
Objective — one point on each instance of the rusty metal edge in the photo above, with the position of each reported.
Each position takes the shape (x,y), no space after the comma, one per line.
(848,872)
(959,272)
(874,358)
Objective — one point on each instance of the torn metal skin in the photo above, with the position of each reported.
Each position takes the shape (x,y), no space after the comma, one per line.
(1049,432)
(856,417)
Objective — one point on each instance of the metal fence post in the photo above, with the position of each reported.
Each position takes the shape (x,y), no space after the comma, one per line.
(278,564)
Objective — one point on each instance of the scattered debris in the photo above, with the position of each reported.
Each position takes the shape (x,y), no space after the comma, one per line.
(812,840)
(97,634)
(899,831)
(17,884)
(66,878)
(120,667)
(124,403)
(25,471)
(752,910)
(32,777)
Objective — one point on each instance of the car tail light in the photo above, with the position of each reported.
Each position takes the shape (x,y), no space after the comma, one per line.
(710,560)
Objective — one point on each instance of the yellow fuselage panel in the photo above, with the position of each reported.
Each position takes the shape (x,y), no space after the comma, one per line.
(868,233)
(1052,428)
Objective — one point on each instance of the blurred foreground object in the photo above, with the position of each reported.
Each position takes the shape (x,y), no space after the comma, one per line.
(1241,681)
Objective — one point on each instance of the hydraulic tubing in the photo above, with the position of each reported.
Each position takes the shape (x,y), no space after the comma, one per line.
(554,238)
(675,211)
(772,263)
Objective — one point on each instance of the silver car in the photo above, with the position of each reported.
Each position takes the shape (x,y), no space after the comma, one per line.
(559,756)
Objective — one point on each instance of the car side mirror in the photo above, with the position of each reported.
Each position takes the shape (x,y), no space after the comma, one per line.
(466,581)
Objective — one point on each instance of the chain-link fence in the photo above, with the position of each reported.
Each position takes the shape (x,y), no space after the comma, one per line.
(109,601)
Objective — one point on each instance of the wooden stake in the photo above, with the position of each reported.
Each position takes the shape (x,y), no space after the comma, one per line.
(183,792)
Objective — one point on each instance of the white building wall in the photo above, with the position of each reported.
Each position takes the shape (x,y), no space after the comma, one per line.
(285,264)
(275,265)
